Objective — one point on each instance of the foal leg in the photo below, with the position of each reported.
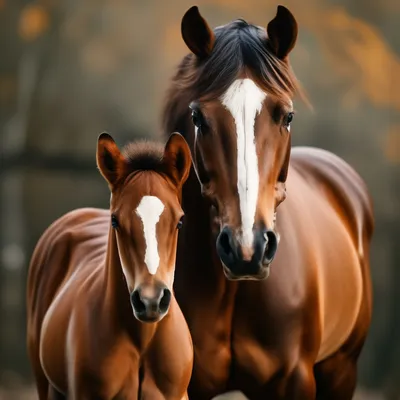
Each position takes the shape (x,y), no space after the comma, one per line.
(336,377)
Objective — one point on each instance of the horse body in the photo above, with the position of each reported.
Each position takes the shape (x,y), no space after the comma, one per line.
(273,264)
(83,339)
(315,303)
(314,307)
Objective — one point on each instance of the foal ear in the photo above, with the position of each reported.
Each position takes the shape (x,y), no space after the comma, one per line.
(177,158)
(110,161)
(196,33)
(282,32)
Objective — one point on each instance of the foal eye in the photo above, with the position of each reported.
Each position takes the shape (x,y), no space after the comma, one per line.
(114,221)
(289,118)
(180,223)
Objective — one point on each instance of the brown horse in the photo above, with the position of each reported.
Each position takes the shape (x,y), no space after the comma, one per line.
(297,334)
(93,271)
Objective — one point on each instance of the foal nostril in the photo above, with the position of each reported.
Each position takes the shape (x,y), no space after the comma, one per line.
(271,246)
(157,303)
(137,302)
(165,300)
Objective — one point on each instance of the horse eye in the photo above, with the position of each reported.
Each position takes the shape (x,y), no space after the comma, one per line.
(114,221)
(197,118)
(180,223)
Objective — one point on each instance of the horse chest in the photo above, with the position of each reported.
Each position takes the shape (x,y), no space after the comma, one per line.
(238,359)
(252,352)
(212,347)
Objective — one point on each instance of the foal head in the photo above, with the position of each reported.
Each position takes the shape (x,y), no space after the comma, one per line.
(146,181)
(238,84)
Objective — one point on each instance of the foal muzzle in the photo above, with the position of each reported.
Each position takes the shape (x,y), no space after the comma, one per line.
(150,303)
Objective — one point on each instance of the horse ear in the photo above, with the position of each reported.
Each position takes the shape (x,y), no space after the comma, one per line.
(110,161)
(177,159)
(196,33)
(282,32)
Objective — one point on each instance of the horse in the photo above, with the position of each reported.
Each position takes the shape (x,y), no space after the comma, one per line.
(272,269)
(103,322)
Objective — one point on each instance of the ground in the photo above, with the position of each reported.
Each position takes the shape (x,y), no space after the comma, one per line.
(28,393)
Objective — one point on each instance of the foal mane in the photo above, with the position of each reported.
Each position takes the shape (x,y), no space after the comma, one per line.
(144,155)
(238,46)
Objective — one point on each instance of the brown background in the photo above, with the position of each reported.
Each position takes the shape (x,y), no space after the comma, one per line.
(72,69)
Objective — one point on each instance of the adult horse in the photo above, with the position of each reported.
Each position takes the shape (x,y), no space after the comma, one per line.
(93,271)
(297,334)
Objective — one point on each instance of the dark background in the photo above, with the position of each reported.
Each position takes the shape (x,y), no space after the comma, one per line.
(72,69)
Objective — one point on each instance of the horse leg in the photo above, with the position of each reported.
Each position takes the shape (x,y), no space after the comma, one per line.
(42,384)
(336,377)
(299,384)
(55,394)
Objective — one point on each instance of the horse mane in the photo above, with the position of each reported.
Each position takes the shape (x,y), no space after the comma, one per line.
(238,46)
(144,155)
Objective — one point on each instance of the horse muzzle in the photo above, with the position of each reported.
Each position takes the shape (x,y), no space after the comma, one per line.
(247,264)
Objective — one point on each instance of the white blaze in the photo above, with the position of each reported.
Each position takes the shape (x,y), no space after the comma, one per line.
(149,210)
(244,101)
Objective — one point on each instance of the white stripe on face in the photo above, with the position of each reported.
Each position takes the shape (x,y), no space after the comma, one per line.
(149,210)
(244,101)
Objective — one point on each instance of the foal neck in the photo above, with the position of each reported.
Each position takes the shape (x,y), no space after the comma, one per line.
(116,305)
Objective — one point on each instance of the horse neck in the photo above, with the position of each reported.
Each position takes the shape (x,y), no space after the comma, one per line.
(197,234)
(196,244)
(116,307)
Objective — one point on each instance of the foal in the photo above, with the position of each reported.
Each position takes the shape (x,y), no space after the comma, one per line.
(103,322)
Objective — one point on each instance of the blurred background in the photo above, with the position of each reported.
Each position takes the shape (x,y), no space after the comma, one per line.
(72,69)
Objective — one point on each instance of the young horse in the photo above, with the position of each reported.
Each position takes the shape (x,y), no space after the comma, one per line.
(297,334)
(93,271)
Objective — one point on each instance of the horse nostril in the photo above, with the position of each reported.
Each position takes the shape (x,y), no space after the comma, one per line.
(137,302)
(225,247)
(224,242)
(271,246)
(165,300)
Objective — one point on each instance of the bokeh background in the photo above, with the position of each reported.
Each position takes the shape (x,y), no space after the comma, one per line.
(72,69)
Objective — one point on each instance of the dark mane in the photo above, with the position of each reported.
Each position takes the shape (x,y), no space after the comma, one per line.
(238,46)
(144,155)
